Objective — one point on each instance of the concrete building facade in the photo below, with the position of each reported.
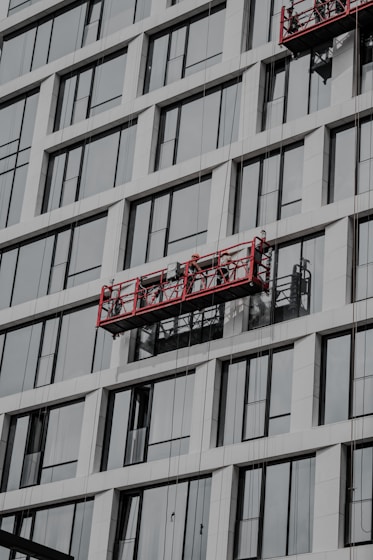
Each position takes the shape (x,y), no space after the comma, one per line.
(132,134)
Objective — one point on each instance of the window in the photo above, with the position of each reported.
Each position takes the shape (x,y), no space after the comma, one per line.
(366,58)
(168,222)
(360,496)
(351,162)
(98,164)
(66,528)
(66,31)
(16,5)
(149,422)
(364,260)
(58,348)
(90,91)
(347,376)
(296,87)
(263,22)
(180,332)
(275,514)
(269,188)
(67,258)
(255,397)
(17,121)
(165,522)
(193,127)
(185,49)
(43,446)
(296,284)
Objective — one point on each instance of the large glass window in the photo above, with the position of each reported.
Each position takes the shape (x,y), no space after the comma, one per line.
(275,513)
(263,22)
(185,49)
(61,347)
(90,91)
(269,188)
(168,222)
(65,31)
(149,422)
(98,164)
(366,59)
(255,397)
(360,496)
(43,446)
(364,260)
(50,264)
(180,332)
(164,523)
(351,162)
(295,87)
(66,528)
(17,120)
(200,125)
(296,285)
(347,378)
(16,5)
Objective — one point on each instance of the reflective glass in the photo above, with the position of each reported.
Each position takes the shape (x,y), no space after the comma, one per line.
(118,431)
(205,42)
(248,529)
(361,494)
(276,511)
(232,403)
(16,55)
(99,162)
(63,436)
(86,251)
(343,161)
(337,379)
(197,520)
(259,18)
(301,506)
(108,82)
(61,42)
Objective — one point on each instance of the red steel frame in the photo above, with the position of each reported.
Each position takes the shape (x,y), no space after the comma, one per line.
(153,297)
(296,22)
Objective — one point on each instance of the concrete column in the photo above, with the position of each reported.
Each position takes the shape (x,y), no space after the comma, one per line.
(342,87)
(146,142)
(132,87)
(315,170)
(104,522)
(37,170)
(88,457)
(252,95)
(112,244)
(337,264)
(203,412)
(223,507)
(329,493)
(221,211)
(305,386)
(234,22)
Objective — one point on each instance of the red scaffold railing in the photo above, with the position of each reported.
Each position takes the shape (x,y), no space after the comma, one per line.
(216,278)
(309,23)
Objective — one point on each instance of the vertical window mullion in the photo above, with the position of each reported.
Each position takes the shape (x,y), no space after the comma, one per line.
(289,505)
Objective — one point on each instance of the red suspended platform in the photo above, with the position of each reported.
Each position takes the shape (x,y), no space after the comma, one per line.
(212,279)
(304,27)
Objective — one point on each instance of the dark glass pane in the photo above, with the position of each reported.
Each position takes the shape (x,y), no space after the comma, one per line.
(53,527)
(363,374)
(67,32)
(232,403)
(320,79)
(190,208)
(138,233)
(360,510)
(255,405)
(102,354)
(17,452)
(229,114)
(33,267)
(63,435)
(128,527)
(16,55)
(281,383)
(301,506)
(118,434)
(247,201)
(20,355)
(156,69)
(86,252)
(259,15)
(297,89)
(98,173)
(76,344)
(7,272)
(275,96)
(42,41)
(276,510)
(82,530)
(197,519)
(167,504)
(343,164)
(248,530)
(292,179)
(16,201)
(126,153)
(108,82)
(54,182)
(337,379)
